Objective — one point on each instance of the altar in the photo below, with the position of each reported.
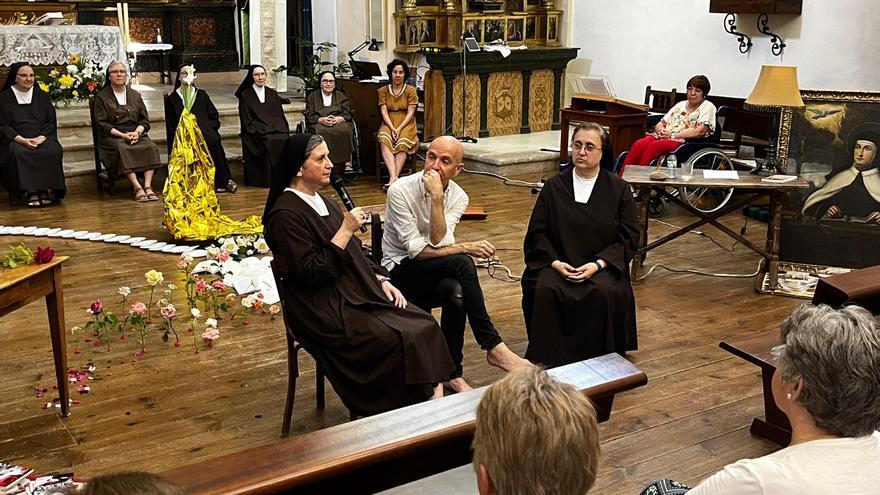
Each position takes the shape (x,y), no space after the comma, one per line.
(54,45)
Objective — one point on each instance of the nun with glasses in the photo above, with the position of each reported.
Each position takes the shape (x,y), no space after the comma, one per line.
(30,154)
(208,119)
(264,128)
(378,352)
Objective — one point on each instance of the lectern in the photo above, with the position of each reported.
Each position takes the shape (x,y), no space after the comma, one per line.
(626,121)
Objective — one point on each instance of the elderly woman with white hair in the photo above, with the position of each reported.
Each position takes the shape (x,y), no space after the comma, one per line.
(827,383)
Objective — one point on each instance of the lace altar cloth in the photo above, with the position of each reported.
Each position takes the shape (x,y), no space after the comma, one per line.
(53,45)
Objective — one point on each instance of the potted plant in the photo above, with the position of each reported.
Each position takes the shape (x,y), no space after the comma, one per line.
(313,65)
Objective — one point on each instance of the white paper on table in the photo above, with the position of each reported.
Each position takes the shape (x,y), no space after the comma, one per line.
(720,174)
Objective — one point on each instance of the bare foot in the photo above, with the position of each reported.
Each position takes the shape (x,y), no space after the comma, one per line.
(438,392)
(502,357)
(458,385)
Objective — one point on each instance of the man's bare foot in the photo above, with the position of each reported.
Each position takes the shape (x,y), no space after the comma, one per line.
(502,357)
(438,392)
(458,385)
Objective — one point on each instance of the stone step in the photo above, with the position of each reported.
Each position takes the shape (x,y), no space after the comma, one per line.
(76,168)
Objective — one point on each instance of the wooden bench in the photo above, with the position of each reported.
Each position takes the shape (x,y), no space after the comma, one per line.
(386,450)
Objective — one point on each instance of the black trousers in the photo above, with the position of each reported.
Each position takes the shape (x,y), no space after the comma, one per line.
(449,282)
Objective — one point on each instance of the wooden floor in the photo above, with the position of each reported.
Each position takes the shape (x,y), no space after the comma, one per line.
(174,406)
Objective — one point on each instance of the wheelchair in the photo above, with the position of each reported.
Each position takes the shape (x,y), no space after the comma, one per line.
(705,154)
(303,127)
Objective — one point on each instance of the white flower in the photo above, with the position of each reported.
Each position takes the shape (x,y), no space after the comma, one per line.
(195,312)
(250,252)
(242,241)
(212,251)
(161,302)
(211,323)
(230,246)
(247,302)
(262,246)
(72,69)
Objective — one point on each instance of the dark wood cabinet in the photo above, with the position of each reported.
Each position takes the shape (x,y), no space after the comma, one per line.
(756,6)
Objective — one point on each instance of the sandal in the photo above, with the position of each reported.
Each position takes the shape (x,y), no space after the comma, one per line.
(151,195)
(33,201)
(231,187)
(45,200)
(140,195)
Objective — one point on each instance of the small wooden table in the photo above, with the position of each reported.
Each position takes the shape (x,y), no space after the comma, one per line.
(756,350)
(637,175)
(24,285)
(626,121)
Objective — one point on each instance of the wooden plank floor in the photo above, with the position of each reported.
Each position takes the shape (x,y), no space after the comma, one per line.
(174,406)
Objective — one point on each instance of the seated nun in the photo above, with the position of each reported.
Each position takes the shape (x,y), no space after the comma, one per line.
(329,114)
(264,128)
(30,154)
(123,124)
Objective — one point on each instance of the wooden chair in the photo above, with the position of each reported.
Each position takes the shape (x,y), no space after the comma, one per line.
(660,101)
(280,271)
(381,173)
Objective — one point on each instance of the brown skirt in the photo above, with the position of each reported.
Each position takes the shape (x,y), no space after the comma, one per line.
(122,158)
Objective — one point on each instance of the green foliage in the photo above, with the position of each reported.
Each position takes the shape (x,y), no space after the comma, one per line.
(18,255)
(315,64)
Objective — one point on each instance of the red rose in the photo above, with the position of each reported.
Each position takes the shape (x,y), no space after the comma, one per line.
(44,255)
(96,307)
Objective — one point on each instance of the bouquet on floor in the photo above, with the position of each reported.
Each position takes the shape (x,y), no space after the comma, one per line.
(192,211)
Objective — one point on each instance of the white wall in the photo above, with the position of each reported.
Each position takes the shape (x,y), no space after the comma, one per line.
(324,24)
(834,44)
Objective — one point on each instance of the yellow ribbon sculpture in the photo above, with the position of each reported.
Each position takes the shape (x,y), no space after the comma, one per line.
(192,211)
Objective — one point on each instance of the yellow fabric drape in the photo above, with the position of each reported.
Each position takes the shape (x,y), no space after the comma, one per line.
(192,211)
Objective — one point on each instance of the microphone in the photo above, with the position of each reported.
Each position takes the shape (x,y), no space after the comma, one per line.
(339,185)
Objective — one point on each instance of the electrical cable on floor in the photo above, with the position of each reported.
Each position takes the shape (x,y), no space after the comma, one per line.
(699,272)
(742,231)
(492,265)
(505,180)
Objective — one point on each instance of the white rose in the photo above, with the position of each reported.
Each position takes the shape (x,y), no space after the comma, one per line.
(262,246)
(247,302)
(72,69)
(211,323)
(212,251)
(242,241)
(195,312)
(230,246)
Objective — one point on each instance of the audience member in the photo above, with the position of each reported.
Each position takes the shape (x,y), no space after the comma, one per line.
(264,128)
(535,435)
(329,114)
(398,135)
(430,267)
(577,299)
(30,154)
(691,118)
(123,123)
(378,352)
(827,383)
(208,119)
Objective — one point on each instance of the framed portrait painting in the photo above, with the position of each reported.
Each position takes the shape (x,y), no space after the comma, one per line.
(832,143)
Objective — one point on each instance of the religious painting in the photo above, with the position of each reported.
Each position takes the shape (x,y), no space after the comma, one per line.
(531,28)
(474,27)
(832,144)
(427,31)
(493,29)
(515,5)
(413,32)
(552,29)
(515,28)
(401,32)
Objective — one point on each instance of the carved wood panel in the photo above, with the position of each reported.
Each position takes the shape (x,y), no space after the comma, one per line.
(202,31)
(504,104)
(541,100)
(472,106)
(142,29)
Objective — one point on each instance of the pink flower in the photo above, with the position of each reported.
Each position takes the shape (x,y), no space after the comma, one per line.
(201,286)
(139,308)
(274,309)
(168,311)
(223,257)
(44,255)
(217,284)
(211,334)
(96,307)
(182,264)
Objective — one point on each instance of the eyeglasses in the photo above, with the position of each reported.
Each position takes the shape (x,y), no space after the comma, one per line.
(589,148)
(327,81)
(117,72)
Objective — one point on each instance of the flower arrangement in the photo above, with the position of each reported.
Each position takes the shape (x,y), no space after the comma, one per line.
(76,81)
(237,247)
(20,255)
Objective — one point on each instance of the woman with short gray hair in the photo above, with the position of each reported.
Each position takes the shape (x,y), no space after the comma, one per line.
(828,385)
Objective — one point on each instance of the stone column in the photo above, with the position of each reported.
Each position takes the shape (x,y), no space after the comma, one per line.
(269,39)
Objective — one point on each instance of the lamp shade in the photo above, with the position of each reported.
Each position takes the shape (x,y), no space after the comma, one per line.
(777,86)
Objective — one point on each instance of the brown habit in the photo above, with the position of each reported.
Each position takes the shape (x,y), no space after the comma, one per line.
(339,136)
(117,155)
(264,130)
(565,321)
(378,357)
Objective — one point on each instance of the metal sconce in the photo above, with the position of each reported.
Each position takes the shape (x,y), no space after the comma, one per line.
(745,42)
(778,44)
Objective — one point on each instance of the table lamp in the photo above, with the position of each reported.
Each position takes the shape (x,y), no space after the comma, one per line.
(777,88)
(373,47)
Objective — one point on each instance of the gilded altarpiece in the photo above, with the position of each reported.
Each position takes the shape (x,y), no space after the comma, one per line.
(471,106)
(504,101)
(541,101)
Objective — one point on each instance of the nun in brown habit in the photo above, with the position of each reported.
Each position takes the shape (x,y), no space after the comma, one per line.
(264,128)
(329,114)
(378,352)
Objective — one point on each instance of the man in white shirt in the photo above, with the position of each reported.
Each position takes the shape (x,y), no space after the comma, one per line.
(429,267)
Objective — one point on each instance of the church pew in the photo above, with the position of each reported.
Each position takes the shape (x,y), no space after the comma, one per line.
(386,450)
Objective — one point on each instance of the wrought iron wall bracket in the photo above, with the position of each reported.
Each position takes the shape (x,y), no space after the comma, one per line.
(745,42)
(778,44)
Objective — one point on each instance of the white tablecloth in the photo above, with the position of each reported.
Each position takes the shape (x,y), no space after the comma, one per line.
(53,45)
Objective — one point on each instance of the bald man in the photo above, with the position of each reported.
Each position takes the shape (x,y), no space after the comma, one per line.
(429,267)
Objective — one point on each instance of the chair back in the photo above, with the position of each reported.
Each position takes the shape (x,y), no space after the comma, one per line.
(280,271)
(660,101)
(95,139)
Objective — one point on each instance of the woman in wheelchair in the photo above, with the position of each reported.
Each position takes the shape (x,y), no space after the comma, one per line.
(691,118)
(328,114)
(264,129)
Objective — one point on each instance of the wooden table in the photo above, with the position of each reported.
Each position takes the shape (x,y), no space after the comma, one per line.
(751,184)
(756,350)
(24,285)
